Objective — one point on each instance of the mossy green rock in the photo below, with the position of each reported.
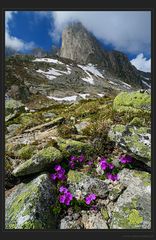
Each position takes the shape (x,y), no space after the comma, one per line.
(71,147)
(104,213)
(12,106)
(28,205)
(25,152)
(39,162)
(136,141)
(137,122)
(133,208)
(132,102)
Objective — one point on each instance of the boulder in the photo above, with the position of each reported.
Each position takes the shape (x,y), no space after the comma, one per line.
(134,102)
(136,141)
(25,152)
(71,147)
(86,220)
(28,205)
(81,126)
(13,106)
(81,184)
(12,129)
(49,115)
(133,207)
(39,162)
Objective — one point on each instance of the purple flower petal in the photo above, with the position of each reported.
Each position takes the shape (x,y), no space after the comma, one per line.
(103,165)
(63,189)
(53,176)
(112,177)
(110,165)
(62,198)
(87,200)
(73,158)
(62,171)
(90,197)
(67,202)
(103,159)
(57,168)
(69,196)
(72,165)
(81,158)
(125,159)
(93,196)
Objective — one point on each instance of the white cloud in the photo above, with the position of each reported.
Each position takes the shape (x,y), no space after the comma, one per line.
(141,63)
(12,41)
(126,30)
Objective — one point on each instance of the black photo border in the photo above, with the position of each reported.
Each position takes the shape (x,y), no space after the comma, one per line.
(64,5)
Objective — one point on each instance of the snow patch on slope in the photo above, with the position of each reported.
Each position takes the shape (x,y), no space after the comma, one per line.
(49,60)
(84,95)
(53,73)
(69,98)
(90,69)
(146,84)
(100,94)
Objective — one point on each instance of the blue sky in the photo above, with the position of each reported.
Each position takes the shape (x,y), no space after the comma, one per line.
(129,32)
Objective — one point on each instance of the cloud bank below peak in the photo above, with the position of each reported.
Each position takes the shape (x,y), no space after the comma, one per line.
(128,31)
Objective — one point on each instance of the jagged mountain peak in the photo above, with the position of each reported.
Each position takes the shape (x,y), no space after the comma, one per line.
(79,45)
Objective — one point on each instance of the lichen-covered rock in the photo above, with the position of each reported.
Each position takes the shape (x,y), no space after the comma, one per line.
(81,126)
(49,115)
(28,205)
(39,162)
(116,191)
(134,177)
(135,141)
(93,220)
(80,185)
(12,129)
(71,147)
(12,106)
(134,102)
(86,220)
(133,208)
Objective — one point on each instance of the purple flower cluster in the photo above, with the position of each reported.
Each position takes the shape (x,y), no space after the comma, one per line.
(112,177)
(65,196)
(125,159)
(59,173)
(76,160)
(108,167)
(90,198)
(105,165)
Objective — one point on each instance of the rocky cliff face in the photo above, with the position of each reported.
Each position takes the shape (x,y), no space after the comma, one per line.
(121,66)
(82,47)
